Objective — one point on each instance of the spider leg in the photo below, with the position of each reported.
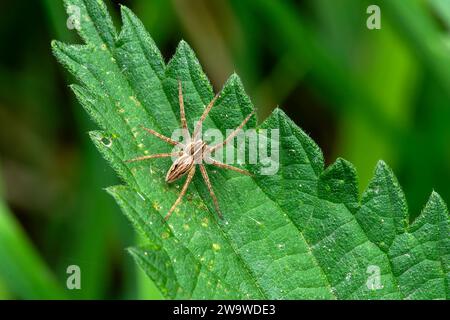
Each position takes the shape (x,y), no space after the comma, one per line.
(182,193)
(153,156)
(211,191)
(227,166)
(162,137)
(182,113)
(203,117)
(232,135)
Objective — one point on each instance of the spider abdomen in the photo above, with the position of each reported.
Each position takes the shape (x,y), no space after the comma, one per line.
(180,167)
(192,154)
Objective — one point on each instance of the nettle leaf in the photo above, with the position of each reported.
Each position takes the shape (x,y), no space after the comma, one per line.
(302,233)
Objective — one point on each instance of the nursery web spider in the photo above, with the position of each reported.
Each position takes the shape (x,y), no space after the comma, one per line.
(195,151)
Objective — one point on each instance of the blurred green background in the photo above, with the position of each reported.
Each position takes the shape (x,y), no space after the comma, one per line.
(361,94)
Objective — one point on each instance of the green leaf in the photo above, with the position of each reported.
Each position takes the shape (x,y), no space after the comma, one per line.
(441,8)
(22,269)
(302,233)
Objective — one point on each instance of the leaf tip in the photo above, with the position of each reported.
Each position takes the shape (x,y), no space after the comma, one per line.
(125,12)
(277,112)
(234,77)
(183,46)
(95,134)
(434,212)
(131,250)
(435,199)
(382,169)
(381,165)
(345,163)
(339,183)
(56,46)
(101,139)
(112,190)
(117,192)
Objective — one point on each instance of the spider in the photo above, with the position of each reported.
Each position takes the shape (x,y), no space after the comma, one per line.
(195,151)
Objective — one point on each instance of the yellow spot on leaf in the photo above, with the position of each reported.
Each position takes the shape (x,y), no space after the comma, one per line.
(156,205)
(135,100)
(164,235)
(205,222)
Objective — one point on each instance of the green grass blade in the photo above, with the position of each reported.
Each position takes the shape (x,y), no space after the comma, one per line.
(22,270)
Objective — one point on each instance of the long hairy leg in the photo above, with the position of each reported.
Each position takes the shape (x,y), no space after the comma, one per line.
(182,113)
(162,137)
(182,193)
(232,135)
(203,117)
(227,166)
(154,156)
(211,191)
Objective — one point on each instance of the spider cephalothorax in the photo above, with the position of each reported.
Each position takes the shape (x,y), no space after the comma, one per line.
(193,152)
